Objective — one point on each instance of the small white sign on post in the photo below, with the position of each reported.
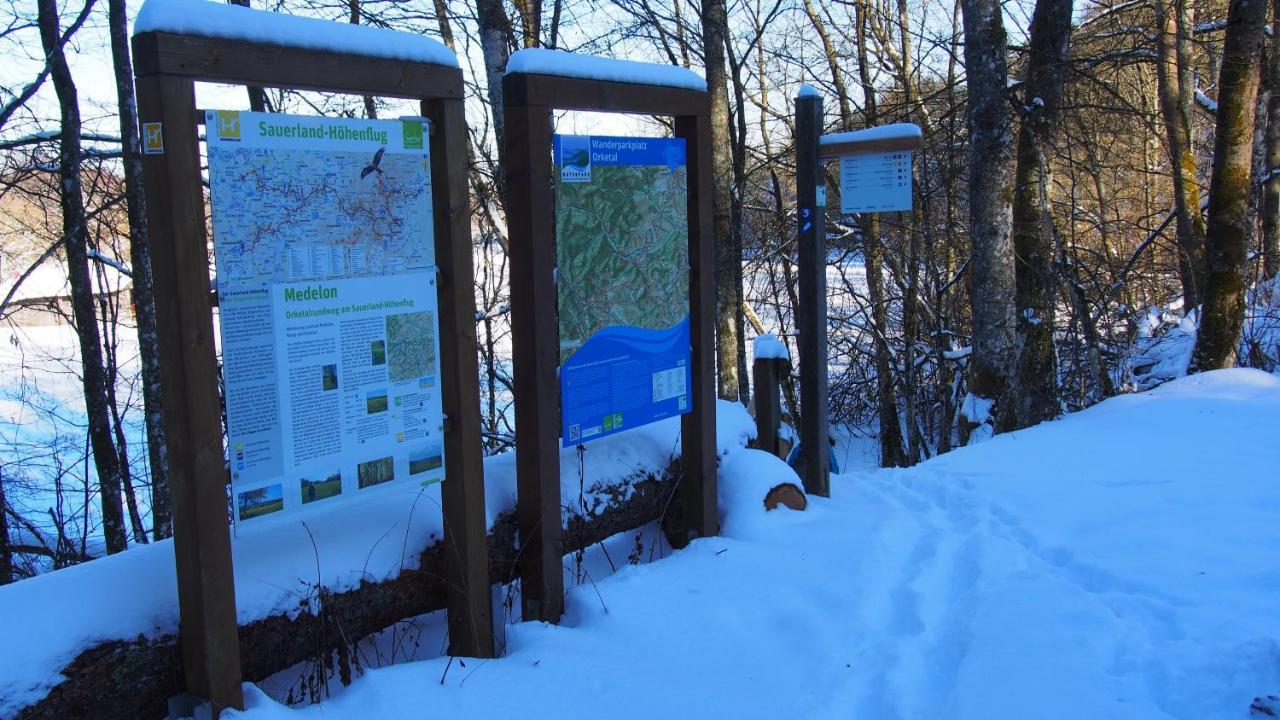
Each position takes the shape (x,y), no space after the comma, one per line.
(875,182)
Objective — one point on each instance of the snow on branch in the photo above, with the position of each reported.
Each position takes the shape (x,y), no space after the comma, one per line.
(1206,102)
(539,61)
(233,22)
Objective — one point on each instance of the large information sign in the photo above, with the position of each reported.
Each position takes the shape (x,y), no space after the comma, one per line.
(875,182)
(325,254)
(622,251)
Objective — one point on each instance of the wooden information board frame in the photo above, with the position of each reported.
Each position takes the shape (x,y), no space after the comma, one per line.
(166,67)
(529,100)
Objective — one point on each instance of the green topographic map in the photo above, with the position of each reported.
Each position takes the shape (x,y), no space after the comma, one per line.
(622,247)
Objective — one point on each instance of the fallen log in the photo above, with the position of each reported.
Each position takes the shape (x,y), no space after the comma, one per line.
(135,678)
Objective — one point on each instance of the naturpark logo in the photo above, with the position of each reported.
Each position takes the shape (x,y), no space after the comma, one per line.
(575,158)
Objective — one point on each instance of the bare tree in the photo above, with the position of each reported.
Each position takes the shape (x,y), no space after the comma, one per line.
(112,473)
(1229,219)
(140,260)
(728,246)
(991,266)
(1034,396)
(1271,179)
(1177,88)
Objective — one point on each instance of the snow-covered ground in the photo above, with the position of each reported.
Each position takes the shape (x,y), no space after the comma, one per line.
(1118,563)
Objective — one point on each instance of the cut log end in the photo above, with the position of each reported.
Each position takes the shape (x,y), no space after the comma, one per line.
(788,495)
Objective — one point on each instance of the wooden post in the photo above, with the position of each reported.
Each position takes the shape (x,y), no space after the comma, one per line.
(698,427)
(535,339)
(473,629)
(812,313)
(528,100)
(189,381)
(167,66)
(766,372)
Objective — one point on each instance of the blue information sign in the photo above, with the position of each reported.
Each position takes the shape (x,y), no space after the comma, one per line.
(622,251)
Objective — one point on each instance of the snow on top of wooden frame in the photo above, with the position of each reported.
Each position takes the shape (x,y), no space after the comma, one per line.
(232,22)
(895,131)
(539,61)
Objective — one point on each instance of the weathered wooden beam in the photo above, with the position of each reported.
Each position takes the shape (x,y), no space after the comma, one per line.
(472,630)
(766,374)
(247,63)
(568,93)
(811,315)
(189,383)
(535,343)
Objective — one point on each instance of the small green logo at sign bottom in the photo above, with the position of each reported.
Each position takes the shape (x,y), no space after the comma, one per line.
(412,134)
(613,421)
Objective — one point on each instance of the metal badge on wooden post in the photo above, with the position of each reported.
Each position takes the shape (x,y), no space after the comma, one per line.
(529,99)
(812,313)
(167,65)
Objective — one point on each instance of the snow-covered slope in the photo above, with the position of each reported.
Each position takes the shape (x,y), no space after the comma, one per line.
(55,616)
(1119,563)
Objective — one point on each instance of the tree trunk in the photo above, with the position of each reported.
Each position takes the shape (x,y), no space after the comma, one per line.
(991,267)
(1271,181)
(495,45)
(891,450)
(728,247)
(6,556)
(106,461)
(1034,396)
(739,155)
(1176,87)
(144,300)
(257,96)
(1229,221)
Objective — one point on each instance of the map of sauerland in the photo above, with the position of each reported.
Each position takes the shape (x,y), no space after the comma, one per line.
(288,215)
(622,246)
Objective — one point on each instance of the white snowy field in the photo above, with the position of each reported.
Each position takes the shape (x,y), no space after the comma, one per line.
(1118,563)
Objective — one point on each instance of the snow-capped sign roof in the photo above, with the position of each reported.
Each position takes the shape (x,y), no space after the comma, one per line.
(882,132)
(232,22)
(807,90)
(884,138)
(539,61)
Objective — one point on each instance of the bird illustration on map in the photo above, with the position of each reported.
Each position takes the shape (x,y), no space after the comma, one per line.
(372,167)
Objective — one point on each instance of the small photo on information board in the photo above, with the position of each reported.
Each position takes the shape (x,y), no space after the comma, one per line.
(326,278)
(622,253)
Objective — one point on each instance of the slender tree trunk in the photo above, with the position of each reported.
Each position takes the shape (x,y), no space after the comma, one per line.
(257,96)
(1271,183)
(6,555)
(891,450)
(1175,86)
(728,247)
(530,21)
(1229,221)
(106,461)
(144,301)
(739,155)
(495,45)
(1034,396)
(991,268)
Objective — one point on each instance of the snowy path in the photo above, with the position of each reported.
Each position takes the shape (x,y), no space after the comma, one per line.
(1120,563)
